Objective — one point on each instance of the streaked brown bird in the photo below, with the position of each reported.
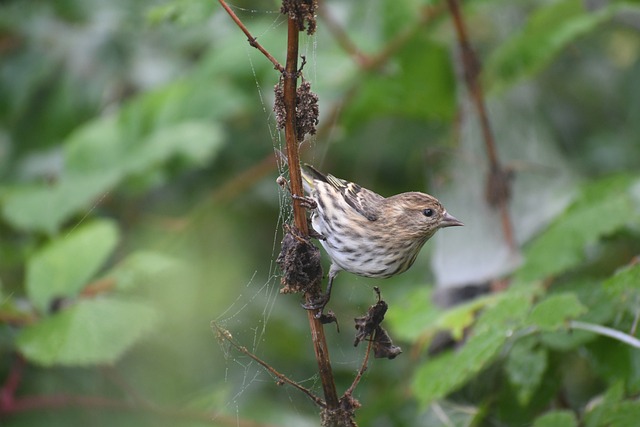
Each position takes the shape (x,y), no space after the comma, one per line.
(367,234)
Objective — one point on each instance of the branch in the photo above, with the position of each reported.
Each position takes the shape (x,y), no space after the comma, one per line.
(224,334)
(361,371)
(498,184)
(252,40)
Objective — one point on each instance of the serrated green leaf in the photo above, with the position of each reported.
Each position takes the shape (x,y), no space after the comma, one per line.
(552,312)
(556,419)
(88,333)
(549,30)
(525,367)
(602,208)
(63,267)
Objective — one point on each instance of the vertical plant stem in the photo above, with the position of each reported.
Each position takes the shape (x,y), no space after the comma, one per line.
(317,330)
(471,68)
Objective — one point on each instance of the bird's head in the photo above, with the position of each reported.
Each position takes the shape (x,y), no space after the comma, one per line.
(421,214)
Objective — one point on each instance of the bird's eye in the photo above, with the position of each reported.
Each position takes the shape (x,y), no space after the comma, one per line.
(428,212)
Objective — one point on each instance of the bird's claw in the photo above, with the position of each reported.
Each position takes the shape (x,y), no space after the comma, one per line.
(317,304)
(305,202)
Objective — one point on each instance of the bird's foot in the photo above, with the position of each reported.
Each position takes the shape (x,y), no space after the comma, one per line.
(319,304)
(305,202)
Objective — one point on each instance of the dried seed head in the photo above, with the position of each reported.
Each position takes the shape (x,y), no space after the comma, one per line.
(301,11)
(307,110)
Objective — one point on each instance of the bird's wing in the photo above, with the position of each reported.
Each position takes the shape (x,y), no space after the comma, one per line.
(364,201)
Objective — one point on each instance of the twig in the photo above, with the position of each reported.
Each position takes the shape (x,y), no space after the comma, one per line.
(361,371)
(226,335)
(252,40)
(607,332)
(471,67)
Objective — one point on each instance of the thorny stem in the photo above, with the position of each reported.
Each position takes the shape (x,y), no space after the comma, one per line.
(471,67)
(252,40)
(226,335)
(290,77)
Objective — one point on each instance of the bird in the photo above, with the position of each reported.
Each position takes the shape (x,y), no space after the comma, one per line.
(365,233)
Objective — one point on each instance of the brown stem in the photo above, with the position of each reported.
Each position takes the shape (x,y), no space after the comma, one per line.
(290,77)
(472,67)
(361,371)
(252,40)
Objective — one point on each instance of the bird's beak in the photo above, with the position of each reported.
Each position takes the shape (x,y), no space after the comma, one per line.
(450,221)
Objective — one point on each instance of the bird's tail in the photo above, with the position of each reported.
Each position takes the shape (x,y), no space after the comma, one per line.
(309,173)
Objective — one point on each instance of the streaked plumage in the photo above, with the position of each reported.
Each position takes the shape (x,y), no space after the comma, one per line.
(367,234)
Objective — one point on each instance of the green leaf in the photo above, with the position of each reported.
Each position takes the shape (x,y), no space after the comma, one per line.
(112,145)
(45,208)
(88,333)
(63,267)
(459,318)
(430,381)
(621,414)
(602,208)
(597,414)
(184,12)
(142,267)
(549,30)
(494,327)
(525,367)
(624,286)
(422,87)
(556,419)
(414,316)
(552,312)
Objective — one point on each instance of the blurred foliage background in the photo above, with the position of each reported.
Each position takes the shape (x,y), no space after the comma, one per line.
(138,203)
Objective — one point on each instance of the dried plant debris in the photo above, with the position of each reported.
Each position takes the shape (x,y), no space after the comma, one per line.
(368,326)
(329,317)
(299,261)
(307,110)
(383,347)
(278,105)
(342,416)
(301,11)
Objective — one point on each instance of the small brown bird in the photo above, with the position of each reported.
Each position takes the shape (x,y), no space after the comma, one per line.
(367,234)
